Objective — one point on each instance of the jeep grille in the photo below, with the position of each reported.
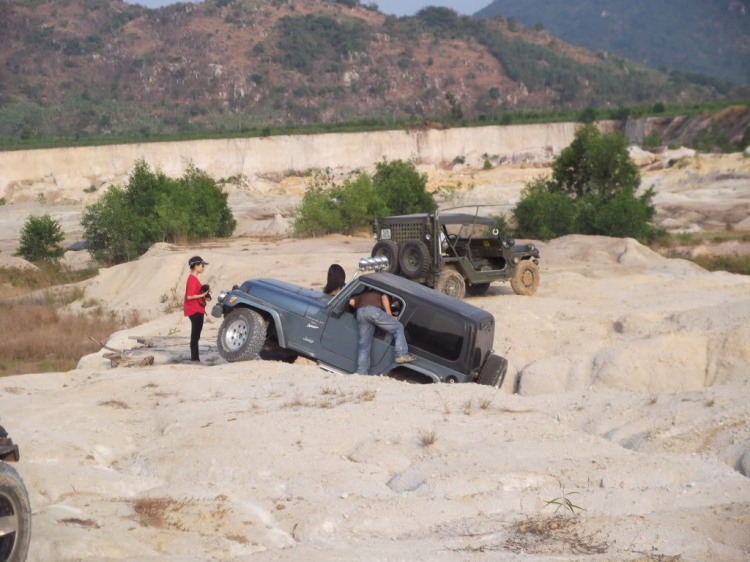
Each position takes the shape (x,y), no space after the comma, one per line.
(403,232)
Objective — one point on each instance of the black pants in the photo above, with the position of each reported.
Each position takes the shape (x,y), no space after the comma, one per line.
(195,334)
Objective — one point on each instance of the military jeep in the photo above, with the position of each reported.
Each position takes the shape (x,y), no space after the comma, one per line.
(452,340)
(455,253)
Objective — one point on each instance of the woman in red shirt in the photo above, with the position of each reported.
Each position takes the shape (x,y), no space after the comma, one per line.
(195,304)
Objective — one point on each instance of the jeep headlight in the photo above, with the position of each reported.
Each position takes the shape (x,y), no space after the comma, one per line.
(221,297)
(530,247)
(377,263)
(515,261)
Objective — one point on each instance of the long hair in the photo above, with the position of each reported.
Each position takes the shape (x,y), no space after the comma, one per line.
(336,279)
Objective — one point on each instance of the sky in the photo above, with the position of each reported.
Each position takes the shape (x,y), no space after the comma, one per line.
(397,7)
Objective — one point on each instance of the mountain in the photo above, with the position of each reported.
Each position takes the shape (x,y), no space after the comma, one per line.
(104,67)
(711,37)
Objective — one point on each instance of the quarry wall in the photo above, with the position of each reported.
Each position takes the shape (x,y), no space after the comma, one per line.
(25,173)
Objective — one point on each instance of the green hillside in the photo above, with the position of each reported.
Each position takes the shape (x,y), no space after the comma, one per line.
(104,68)
(710,37)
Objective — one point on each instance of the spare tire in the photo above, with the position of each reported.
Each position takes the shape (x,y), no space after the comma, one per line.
(414,259)
(389,249)
(494,371)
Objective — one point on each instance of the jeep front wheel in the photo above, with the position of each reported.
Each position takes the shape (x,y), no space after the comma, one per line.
(526,280)
(389,249)
(452,284)
(494,371)
(414,259)
(241,335)
(15,516)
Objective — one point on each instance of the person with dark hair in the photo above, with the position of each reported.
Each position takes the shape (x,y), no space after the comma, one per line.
(374,311)
(194,305)
(336,280)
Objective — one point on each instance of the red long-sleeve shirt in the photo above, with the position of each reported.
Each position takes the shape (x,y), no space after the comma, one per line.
(193,306)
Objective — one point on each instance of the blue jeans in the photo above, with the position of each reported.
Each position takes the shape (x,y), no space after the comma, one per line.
(370,317)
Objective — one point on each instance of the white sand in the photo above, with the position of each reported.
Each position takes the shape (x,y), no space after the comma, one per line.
(633,373)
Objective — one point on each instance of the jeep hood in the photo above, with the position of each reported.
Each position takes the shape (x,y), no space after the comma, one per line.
(285,295)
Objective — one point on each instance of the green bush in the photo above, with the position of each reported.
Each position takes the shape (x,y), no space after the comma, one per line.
(396,188)
(487,164)
(652,140)
(544,214)
(592,191)
(40,239)
(402,188)
(126,221)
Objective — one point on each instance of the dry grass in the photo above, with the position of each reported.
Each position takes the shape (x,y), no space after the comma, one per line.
(171,301)
(427,438)
(47,275)
(41,338)
(486,402)
(79,522)
(159,512)
(545,535)
(331,397)
(116,404)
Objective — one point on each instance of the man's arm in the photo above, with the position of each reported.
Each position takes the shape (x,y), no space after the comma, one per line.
(386,304)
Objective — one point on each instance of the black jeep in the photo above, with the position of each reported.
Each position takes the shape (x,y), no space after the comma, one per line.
(455,253)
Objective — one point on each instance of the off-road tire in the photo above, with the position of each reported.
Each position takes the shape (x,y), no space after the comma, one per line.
(242,335)
(451,283)
(389,249)
(477,290)
(526,279)
(15,514)
(414,259)
(494,371)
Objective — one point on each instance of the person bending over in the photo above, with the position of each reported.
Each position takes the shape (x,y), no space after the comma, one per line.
(374,311)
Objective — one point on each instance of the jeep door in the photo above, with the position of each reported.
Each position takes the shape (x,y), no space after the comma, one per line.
(341,334)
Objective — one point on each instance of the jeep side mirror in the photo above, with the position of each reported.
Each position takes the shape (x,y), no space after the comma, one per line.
(338,309)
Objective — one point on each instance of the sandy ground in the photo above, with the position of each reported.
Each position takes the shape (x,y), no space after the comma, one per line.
(631,375)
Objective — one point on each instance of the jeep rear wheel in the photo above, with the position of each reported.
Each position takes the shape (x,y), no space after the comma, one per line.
(451,283)
(414,259)
(241,335)
(494,371)
(15,516)
(389,249)
(526,280)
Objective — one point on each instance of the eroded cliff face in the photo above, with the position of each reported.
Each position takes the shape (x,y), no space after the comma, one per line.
(63,174)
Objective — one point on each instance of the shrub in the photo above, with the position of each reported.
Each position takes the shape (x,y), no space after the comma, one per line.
(126,221)
(396,188)
(487,164)
(402,189)
(592,191)
(543,214)
(652,140)
(40,239)
(595,163)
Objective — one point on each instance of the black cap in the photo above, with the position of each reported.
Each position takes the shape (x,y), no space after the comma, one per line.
(196,260)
